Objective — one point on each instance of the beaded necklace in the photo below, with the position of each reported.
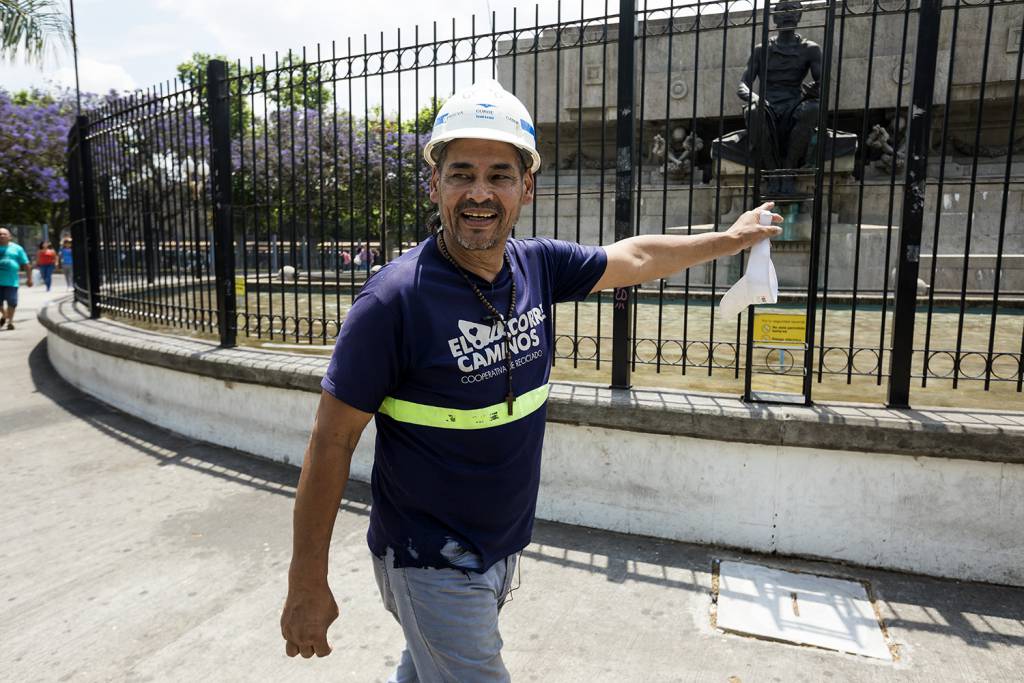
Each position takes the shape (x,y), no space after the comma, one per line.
(510,397)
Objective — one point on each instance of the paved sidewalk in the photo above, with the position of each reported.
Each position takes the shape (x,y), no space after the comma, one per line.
(128,553)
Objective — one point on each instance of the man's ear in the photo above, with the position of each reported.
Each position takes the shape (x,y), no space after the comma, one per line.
(528,188)
(435,176)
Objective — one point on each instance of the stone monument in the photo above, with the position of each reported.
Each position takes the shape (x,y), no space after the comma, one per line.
(678,157)
(887,146)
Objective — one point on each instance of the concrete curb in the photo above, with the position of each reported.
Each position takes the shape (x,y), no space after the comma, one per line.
(939,432)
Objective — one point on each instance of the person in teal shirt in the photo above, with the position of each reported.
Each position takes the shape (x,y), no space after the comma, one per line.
(67,263)
(12,259)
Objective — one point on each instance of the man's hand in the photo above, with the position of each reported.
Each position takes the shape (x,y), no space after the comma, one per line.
(308,612)
(748,231)
(811,90)
(310,607)
(758,101)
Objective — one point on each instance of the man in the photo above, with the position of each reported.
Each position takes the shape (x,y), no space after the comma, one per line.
(12,259)
(450,347)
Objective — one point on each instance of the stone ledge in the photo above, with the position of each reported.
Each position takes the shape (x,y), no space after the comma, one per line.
(938,432)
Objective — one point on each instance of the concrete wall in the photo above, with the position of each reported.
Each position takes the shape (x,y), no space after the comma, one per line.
(958,518)
(917,514)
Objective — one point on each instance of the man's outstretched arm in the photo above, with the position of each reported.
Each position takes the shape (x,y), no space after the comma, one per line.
(310,607)
(650,257)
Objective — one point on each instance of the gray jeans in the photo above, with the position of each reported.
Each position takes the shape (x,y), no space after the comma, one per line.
(450,620)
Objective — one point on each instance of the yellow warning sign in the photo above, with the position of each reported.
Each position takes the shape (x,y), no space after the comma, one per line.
(780,328)
(239,285)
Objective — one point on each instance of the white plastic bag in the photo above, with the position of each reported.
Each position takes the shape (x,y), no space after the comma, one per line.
(759,285)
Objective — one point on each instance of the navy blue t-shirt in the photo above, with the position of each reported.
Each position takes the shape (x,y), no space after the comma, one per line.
(417,350)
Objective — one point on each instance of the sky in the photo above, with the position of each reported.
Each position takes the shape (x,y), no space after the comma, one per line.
(130,44)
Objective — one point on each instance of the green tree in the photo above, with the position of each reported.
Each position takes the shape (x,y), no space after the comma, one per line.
(28,27)
(293,84)
(193,74)
(424,121)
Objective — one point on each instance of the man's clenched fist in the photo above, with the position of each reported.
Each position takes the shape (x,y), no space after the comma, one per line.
(308,613)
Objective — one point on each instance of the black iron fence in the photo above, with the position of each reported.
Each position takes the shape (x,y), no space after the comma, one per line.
(251,200)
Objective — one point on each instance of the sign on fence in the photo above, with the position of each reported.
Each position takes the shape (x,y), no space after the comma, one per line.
(780,328)
(239,285)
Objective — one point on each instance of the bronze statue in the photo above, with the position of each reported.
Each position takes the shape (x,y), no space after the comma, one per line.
(782,119)
(782,116)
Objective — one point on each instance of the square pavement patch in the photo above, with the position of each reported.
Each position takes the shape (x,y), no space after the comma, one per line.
(805,609)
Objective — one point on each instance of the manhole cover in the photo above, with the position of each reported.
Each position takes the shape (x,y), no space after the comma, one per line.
(834,614)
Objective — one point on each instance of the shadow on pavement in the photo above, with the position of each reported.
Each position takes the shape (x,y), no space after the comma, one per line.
(168,448)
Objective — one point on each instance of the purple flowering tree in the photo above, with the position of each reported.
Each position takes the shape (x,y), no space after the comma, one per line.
(317,173)
(34,129)
(150,159)
(321,174)
(33,139)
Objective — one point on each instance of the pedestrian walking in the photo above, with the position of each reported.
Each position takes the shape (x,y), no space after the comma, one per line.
(67,263)
(12,260)
(46,262)
(448,347)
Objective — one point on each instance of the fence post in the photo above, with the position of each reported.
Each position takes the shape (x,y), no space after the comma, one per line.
(925,58)
(625,177)
(77,213)
(92,241)
(148,242)
(219,108)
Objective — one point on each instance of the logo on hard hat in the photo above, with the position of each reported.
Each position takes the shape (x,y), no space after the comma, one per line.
(441,118)
(528,128)
(484,105)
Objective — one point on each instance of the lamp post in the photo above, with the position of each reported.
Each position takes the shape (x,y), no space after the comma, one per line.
(74,53)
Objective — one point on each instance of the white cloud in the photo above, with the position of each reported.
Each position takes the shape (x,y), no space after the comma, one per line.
(132,43)
(242,32)
(95,76)
(144,40)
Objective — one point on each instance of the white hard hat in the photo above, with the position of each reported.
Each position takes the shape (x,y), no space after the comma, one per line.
(485,111)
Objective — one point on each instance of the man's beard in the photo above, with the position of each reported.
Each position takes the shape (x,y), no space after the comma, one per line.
(462,237)
(468,245)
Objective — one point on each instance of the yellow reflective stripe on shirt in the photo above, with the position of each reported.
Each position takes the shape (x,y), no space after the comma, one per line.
(453,418)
